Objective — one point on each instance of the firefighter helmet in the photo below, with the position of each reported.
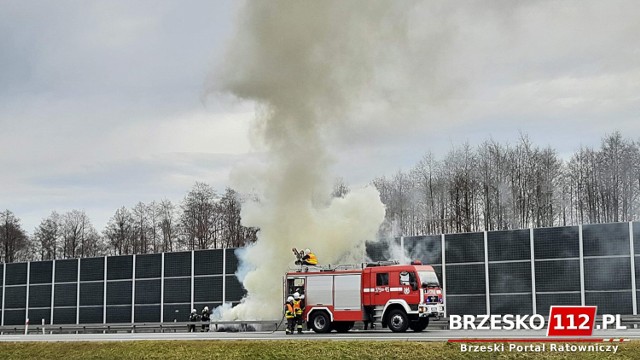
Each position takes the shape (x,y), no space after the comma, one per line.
(307,251)
(296,296)
(290,299)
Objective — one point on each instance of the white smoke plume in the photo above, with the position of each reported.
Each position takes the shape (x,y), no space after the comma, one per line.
(308,65)
(337,69)
(389,236)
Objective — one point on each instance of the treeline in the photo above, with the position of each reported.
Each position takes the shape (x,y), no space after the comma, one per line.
(203,220)
(497,186)
(493,186)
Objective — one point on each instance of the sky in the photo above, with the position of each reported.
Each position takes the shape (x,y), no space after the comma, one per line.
(104,104)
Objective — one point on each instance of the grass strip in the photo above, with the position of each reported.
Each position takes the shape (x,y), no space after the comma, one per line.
(272,349)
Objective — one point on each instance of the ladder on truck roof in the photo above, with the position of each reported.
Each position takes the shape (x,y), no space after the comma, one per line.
(329,267)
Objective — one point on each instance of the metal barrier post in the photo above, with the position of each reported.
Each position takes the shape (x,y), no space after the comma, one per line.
(26,310)
(582,295)
(4,286)
(53,289)
(486,274)
(533,272)
(133,290)
(104,294)
(78,295)
(162,289)
(444,275)
(633,270)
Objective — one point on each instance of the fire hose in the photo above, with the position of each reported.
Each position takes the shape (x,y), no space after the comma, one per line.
(278,326)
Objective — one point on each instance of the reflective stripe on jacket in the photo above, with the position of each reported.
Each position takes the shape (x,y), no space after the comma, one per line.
(289,312)
(296,307)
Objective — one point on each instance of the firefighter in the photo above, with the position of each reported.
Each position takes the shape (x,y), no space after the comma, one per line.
(309,258)
(205,319)
(193,318)
(298,308)
(369,319)
(289,313)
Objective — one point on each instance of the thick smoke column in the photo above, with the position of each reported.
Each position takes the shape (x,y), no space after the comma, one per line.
(306,65)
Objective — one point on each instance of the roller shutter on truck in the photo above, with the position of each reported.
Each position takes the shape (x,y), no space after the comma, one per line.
(319,290)
(347,296)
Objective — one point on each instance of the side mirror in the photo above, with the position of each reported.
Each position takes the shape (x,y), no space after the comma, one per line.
(414,285)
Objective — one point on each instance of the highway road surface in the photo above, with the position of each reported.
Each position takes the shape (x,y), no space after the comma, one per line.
(355,335)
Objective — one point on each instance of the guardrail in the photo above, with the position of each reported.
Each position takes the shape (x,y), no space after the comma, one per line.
(268,325)
(140,327)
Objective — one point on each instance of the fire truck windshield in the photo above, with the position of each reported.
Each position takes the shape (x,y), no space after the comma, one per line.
(428,278)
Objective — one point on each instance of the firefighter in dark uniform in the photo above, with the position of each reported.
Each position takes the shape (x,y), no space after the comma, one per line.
(290,315)
(206,319)
(298,308)
(193,318)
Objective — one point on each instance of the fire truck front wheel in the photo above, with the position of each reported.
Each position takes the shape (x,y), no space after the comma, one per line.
(320,322)
(419,325)
(398,320)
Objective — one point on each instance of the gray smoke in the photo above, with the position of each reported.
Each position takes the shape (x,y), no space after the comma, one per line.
(309,67)
(330,72)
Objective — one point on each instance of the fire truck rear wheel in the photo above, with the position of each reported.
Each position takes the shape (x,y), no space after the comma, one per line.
(342,326)
(320,322)
(398,320)
(419,325)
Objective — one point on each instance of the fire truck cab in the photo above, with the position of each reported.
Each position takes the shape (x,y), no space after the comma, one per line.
(396,296)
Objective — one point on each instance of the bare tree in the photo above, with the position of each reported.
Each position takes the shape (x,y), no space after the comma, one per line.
(198,210)
(13,239)
(396,194)
(47,236)
(383,185)
(427,182)
(340,188)
(492,172)
(153,211)
(119,232)
(616,167)
(463,189)
(79,238)
(141,228)
(233,233)
(603,184)
(167,214)
(545,177)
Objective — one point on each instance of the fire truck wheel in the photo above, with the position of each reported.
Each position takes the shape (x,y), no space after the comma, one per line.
(342,326)
(320,322)
(398,321)
(419,325)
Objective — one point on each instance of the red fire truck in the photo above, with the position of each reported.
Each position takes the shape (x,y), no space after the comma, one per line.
(396,296)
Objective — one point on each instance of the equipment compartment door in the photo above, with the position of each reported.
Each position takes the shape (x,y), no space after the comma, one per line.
(347,292)
(319,290)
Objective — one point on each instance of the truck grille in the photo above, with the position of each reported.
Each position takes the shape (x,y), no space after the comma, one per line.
(432,299)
